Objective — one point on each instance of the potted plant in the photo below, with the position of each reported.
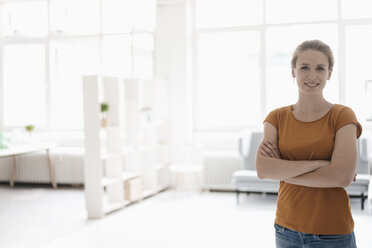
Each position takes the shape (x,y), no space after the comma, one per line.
(104,109)
(2,142)
(29,128)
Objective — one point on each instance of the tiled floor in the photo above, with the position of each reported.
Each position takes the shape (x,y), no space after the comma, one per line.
(47,218)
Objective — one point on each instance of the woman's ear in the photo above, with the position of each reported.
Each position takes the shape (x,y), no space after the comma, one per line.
(329,74)
(293,73)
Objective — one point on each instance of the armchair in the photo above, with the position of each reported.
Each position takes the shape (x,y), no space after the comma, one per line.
(359,188)
(246,180)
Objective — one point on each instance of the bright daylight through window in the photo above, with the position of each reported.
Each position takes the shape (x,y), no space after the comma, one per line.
(242,56)
(47,47)
(243,52)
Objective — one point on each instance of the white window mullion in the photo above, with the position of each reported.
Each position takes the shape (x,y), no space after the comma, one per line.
(48,82)
(1,77)
(263,63)
(47,86)
(194,67)
(101,37)
(341,59)
(1,86)
(195,78)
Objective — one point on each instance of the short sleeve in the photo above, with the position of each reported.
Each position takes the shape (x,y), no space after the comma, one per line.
(273,118)
(347,116)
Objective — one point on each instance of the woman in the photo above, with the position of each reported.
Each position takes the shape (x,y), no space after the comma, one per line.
(311,147)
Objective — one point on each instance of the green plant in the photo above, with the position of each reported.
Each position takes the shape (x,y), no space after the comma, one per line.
(2,142)
(29,128)
(104,107)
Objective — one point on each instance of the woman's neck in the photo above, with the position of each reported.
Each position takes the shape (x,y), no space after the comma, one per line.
(311,103)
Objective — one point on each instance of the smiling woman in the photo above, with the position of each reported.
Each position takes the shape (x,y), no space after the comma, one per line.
(311,147)
(312,73)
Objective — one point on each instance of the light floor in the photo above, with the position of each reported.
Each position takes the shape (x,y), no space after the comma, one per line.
(47,218)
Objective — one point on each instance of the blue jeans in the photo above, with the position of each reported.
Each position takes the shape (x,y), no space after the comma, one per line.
(287,238)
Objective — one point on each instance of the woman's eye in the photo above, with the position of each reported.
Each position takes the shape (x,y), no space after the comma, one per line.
(320,69)
(304,68)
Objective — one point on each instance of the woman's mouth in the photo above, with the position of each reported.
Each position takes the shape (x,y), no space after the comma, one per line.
(312,84)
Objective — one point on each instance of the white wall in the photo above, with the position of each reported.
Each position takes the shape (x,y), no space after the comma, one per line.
(172,63)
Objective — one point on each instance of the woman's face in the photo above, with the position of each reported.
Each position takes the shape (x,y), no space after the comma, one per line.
(311,71)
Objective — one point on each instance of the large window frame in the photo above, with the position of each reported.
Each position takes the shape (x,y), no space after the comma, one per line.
(342,24)
(46,42)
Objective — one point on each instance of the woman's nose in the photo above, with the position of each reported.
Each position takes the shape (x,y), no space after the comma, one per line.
(312,75)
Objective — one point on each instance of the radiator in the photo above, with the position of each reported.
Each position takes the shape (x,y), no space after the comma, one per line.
(218,169)
(69,168)
(34,167)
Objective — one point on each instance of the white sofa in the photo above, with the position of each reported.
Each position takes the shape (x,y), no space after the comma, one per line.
(246,180)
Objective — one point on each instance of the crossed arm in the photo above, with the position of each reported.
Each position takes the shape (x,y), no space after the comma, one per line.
(339,172)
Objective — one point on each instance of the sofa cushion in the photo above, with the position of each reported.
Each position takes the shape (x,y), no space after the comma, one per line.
(360,186)
(247,180)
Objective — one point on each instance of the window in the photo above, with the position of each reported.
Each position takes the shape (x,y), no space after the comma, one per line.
(75,17)
(352,9)
(119,14)
(24,84)
(243,69)
(229,70)
(228,13)
(43,68)
(71,60)
(117,55)
(143,47)
(295,11)
(28,19)
(358,68)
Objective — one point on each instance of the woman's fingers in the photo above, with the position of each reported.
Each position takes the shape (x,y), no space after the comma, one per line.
(269,150)
(264,151)
(276,149)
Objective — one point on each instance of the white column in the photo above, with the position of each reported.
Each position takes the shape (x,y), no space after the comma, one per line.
(172,57)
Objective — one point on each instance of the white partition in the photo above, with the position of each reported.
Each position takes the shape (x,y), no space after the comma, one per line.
(112,158)
(103,182)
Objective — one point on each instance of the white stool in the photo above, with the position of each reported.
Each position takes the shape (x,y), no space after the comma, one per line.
(182,172)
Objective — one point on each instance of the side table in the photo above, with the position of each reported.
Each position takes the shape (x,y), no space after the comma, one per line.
(182,172)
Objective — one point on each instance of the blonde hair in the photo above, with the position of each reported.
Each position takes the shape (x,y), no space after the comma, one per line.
(316,45)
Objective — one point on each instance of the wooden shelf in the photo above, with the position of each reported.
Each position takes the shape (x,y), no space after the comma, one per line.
(128,175)
(105,154)
(154,123)
(105,181)
(110,206)
(124,177)
(128,150)
(150,192)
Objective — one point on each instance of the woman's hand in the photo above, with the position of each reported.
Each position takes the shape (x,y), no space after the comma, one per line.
(269,149)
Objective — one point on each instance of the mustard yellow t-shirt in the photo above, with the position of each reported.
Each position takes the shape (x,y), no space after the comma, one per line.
(324,211)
